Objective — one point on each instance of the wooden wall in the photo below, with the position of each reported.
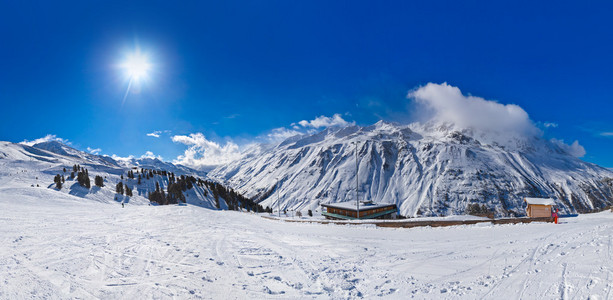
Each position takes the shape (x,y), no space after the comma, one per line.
(539,211)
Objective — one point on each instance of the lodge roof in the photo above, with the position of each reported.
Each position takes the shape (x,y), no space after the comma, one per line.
(539,201)
(364,205)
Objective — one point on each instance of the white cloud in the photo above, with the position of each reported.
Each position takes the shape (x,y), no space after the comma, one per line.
(120,158)
(203,153)
(47,138)
(155,134)
(446,103)
(94,151)
(150,154)
(606,134)
(282,133)
(491,120)
(573,149)
(323,121)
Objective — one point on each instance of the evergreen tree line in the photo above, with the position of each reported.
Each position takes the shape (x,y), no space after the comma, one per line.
(120,188)
(234,200)
(82,177)
(177,185)
(477,210)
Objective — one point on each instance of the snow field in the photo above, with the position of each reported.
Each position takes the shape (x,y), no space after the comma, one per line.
(54,245)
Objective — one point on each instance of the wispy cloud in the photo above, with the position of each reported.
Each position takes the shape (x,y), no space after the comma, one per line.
(323,122)
(128,158)
(607,133)
(47,138)
(282,133)
(150,154)
(122,158)
(95,151)
(157,133)
(573,149)
(550,125)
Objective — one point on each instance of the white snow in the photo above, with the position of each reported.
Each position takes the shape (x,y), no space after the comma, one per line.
(540,201)
(425,169)
(55,245)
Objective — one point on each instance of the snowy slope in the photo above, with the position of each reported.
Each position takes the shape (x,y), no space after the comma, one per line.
(426,169)
(58,246)
(33,167)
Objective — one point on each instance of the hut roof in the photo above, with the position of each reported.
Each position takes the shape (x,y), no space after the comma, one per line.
(351,205)
(540,201)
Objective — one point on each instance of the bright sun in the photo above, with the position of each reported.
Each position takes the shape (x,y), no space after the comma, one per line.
(137,66)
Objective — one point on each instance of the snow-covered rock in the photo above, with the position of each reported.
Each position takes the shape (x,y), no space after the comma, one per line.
(426,169)
(33,167)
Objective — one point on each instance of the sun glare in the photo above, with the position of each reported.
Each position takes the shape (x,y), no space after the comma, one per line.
(137,66)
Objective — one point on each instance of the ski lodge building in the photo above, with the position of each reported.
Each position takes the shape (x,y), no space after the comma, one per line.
(539,207)
(368,210)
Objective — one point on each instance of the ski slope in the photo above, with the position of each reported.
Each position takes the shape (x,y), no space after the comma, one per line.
(54,245)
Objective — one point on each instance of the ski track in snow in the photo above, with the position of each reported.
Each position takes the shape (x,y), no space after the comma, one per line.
(54,245)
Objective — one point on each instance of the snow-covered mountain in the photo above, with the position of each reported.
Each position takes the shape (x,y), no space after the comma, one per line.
(34,167)
(426,169)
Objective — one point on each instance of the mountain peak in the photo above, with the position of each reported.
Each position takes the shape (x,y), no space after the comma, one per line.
(434,168)
(56,147)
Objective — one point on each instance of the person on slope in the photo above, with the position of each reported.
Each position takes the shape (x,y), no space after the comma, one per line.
(554,215)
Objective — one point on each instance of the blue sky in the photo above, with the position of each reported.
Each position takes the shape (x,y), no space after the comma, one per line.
(234,71)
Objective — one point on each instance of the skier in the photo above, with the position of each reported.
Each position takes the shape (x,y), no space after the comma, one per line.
(121,204)
(554,214)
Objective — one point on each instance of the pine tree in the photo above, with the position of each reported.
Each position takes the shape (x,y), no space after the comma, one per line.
(98,181)
(83,179)
(58,181)
(119,188)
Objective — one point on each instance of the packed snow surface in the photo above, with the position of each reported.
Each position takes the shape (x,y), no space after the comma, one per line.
(56,245)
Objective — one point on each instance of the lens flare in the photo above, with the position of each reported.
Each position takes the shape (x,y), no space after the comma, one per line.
(136,68)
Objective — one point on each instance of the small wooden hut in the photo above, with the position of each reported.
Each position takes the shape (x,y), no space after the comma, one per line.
(539,207)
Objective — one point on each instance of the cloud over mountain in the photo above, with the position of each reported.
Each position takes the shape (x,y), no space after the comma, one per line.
(446,103)
(323,122)
(47,138)
(203,153)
